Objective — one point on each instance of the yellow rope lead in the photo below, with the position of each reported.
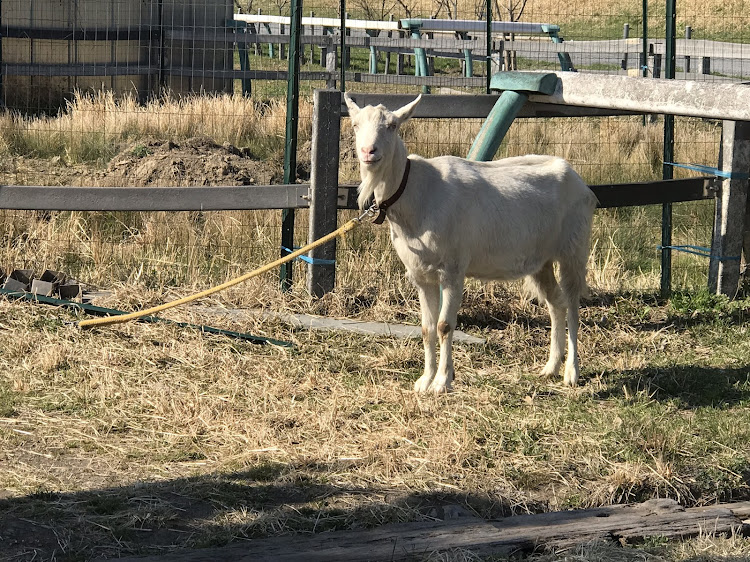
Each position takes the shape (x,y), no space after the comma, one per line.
(133,315)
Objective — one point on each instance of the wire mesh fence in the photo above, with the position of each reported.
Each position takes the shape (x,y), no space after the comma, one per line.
(116,92)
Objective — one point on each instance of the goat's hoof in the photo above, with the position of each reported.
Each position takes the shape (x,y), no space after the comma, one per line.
(439,388)
(422,384)
(571,377)
(550,370)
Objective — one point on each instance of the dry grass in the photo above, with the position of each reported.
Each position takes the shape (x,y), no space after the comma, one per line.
(94,126)
(143,437)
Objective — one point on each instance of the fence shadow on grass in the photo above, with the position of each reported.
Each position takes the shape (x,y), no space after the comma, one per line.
(212,510)
(686,385)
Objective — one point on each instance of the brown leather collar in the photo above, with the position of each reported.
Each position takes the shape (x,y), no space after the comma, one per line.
(393,198)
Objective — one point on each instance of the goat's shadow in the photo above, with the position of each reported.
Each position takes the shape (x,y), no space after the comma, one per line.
(687,386)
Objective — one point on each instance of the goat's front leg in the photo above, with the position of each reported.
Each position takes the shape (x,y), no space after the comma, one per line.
(429,301)
(452,292)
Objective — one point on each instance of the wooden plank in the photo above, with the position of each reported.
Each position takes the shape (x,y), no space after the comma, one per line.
(218,198)
(321,40)
(457,106)
(357,41)
(688,98)
(405,80)
(229,36)
(247,74)
(655,518)
(326,324)
(692,47)
(615,195)
(88,69)
(408,43)
(215,198)
(321,22)
(477,26)
(91,34)
(324,183)
(654,192)
(729,219)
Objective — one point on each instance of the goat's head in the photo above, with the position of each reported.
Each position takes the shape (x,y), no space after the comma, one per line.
(376,131)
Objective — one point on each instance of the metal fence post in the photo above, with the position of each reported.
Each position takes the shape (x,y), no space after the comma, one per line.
(731,209)
(342,38)
(667,171)
(324,184)
(488,14)
(290,148)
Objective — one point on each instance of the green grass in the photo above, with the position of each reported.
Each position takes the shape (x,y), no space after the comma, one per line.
(8,401)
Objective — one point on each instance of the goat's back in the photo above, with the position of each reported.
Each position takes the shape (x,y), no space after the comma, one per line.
(498,220)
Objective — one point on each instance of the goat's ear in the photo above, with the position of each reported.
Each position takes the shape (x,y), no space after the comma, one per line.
(353,107)
(405,112)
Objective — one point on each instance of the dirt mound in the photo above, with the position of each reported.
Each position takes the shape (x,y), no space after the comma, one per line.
(194,161)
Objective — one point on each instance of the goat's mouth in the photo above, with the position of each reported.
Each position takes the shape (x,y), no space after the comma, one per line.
(369,161)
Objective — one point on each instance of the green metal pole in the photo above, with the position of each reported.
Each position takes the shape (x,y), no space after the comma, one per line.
(290,147)
(489,44)
(420,56)
(342,8)
(490,136)
(667,171)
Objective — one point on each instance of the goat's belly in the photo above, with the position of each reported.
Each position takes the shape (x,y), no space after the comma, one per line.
(419,269)
(505,271)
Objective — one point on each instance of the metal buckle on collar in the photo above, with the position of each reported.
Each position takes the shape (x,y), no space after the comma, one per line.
(371,211)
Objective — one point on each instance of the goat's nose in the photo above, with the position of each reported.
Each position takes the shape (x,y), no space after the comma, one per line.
(368,150)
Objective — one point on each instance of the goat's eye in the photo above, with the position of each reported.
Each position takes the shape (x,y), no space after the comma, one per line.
(391,126)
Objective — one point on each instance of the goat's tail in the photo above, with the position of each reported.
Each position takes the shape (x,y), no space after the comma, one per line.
(575,256)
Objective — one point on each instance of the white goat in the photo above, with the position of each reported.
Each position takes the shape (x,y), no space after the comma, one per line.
(498,220)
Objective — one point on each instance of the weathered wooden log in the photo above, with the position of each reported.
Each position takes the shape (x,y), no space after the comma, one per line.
(620,523)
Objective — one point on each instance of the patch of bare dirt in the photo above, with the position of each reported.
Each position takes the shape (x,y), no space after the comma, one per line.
(195,161)
(153,162)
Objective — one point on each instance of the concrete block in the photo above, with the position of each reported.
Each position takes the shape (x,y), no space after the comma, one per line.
(70,290)
(21,280)
(14,285)
(43,288)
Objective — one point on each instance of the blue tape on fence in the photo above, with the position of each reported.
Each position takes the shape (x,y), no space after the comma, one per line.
(307,259)
(699,251)
(712,171)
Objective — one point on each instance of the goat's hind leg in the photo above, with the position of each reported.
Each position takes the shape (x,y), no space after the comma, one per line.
(548,291)
(429,301)
(573,281)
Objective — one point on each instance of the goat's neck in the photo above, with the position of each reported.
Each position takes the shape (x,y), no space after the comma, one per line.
(383,183)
